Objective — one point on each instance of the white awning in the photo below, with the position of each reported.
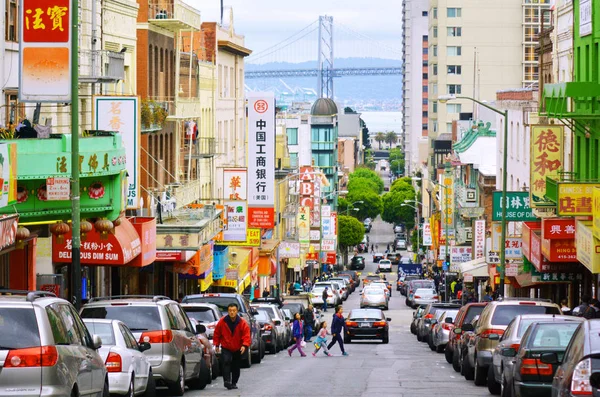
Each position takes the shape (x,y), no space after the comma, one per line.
(476,267)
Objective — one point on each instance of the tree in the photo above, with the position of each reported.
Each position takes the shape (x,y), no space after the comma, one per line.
(380,137)
(363,172)
(350,233)
(365,135)
(403,184)
(396,154)
(391,138)
(370,207)
(395,212)
(343,204)
(361,183)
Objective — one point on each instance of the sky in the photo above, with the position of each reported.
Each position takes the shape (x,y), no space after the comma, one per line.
(265,23)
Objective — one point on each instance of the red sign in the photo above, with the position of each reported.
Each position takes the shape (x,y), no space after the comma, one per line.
(169,256)
(312,256)
(307,189)
(334,223)
(306,173)
(8,230)
(558,228)
(261,217)
(536,250)
(146,229)
(559,250)
(46,21)
(526,233)
(331,258)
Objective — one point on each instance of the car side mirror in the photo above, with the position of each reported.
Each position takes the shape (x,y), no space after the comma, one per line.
(254,312)
(595,380)
(509,352)
(549,358)
(388,319)
(468,327)
(448,320)
(200,329)
(96,342)
(433,321)
(414,314)
(457,331)
(494,337)
(143,346)
(277,322)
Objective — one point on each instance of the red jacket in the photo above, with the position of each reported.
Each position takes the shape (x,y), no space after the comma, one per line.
(232,341)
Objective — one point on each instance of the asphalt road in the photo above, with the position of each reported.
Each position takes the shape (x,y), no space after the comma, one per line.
(402,368)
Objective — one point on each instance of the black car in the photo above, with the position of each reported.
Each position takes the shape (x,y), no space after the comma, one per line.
(377,257)
(354,276)
(367,324)
(357,263)
(268,330)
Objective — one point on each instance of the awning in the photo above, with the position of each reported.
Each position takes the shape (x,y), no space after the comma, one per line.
(476,267)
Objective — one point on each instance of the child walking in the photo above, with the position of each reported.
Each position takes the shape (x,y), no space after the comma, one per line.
(298,335)
(321,341)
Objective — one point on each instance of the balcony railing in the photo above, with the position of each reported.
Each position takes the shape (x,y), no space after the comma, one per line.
(173,15)
(186,193)
(101,66)
(201,148)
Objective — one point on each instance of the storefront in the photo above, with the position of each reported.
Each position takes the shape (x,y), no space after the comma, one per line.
(267,266)
(243,261)
(475,276)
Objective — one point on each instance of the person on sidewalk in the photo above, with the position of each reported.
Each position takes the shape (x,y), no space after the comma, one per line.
(232,339)
(584,310)
(325,296)
(297,332)
(309,320)
(321,341)
(338,325)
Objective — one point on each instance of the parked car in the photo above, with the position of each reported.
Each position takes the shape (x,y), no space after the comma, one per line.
(204,313)
(465,315)
(222,300)
(503,356)
(413,286)
(283,332)
(377,257)
(493,320)
(374,297)
(424,296)
(416,315)
(355,276)
(269,330)
(578,372)
(403,282)
(334,297)
(46,349)
(357,263)
(129,371)
(467,338)
(213,369)
(424,323)
(401,244)
(367,324)
(441,331)
(175,353)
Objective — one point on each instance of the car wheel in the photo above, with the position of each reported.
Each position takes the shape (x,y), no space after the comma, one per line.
(131,391)
(177,388)
(215,367)
(455,361)
(440,349)
(347,339)
(413,330)
(386,308)
(209,375)
(448,354)
(480,374)
(150,386)
(505,388)
(106,389)
(263,350)
(493,386)
(419,336)
(386,338)
(466,369)
(430,343)
(199,383)
(407,302)
(247,359)
(273,348)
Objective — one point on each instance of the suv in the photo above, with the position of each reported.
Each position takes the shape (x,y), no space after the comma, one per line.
(257,350)
(423,324)
(357,263)
(176,354)
(46,349)
(465,315)
(493,320)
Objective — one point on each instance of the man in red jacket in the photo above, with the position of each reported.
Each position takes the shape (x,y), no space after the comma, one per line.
(232,334)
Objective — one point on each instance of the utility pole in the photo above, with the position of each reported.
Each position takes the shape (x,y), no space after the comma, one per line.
(75,205)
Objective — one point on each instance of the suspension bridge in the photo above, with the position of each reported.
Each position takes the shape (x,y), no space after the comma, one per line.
(317,39)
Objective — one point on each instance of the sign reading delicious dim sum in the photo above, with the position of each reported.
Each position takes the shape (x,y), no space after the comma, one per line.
(45,51)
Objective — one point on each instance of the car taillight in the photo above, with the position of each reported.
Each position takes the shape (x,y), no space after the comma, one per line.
(580,383)
(515,346)
(113,362)
(267,327)
(428,315)
(165,336)
(379,324)
(434,297)
(533,366)
(41,356)
(446,326)
(351,324)
(418,297)
(486,333)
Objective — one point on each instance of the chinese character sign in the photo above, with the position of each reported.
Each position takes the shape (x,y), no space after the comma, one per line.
(427,237)
(596,211)
(447,199)
(575,199)
(261,159)
(558,228)
(121,114)
(546,159)
(235,185)
(517,207)
(479,238)
(237,213)
(303,223)
(587,246)
(45,51)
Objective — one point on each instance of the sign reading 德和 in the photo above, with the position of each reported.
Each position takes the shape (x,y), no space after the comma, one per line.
(121,114)
(45,50)
(546,160)
(261,159)
(517,207)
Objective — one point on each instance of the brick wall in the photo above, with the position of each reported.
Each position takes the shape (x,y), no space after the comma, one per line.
(524,95)
(209,41)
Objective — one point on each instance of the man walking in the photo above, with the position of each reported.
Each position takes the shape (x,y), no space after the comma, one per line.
(338,326)
(309,320)
(325,296)
(232,339)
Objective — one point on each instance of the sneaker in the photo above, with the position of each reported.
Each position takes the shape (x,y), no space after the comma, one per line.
(345,354)
(234,386)
(314,354)
(329,355)
(227,385)
(325,353)
(290,353)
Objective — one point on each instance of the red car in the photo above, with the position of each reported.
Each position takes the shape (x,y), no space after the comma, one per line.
(465,315)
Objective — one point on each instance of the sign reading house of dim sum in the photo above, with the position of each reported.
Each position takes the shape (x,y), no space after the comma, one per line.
(45,51)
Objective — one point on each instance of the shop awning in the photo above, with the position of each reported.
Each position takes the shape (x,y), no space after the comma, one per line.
(115,249)
(476,267)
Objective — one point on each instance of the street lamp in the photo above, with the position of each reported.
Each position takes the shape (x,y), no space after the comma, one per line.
(350,209)
(446,98)
(405,204)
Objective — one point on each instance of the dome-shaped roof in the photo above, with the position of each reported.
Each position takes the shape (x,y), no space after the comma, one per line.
(324,107)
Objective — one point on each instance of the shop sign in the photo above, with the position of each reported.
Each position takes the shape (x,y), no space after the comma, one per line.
(169,256)
(8,230)
(596,212)
(121,114)
(558,228)
(306,173)
(546,160)
(58,189)
(479,239)
(511,270)
(231,274)
(312,256)
(334,222)
(288,249)
(325,211)
(585,18)
(588,246)
(8,174)
(427,237)
(447,199)
(467,277)
(575,199)
(45,51)
(206,282)
(315,235)
(492,257)
(517,207)
(261,159)
(537,277)
(252,239)
(328,245)
(237,215)
(526,230)
(303,222)
(226,283)
(460,254)
(471,212)
(206,258)
(96,251)
(331,258)
(559,250)
(326,229)
(557,267)
(536,249)
(178,241)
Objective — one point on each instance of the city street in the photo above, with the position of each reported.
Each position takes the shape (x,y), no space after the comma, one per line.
(404,367)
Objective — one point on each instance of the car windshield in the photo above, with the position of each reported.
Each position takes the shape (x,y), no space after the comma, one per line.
(263,315)
(294,307)
(472,312)
(425,291)
(385,262)
(450,313)
(373,278)
(552,335)
(374,291)
(367,314)
(103,330)
(421,284)
(18,328)
(137,318)
(287,313)
(221,301)
(201,314)
(505,313)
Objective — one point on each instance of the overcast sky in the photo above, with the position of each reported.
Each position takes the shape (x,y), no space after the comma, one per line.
(265,23)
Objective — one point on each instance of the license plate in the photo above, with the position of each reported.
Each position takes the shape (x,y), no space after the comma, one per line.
(365,325)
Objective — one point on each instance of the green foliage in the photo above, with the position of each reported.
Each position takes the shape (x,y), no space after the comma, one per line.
(394,212)
(397,166)
(369,174)
(371,206)
(396,154)
(365,136)
(391,138)
(380,137)
(343,203)
(351,231)
(348,109)
(403,184)
(414,241)
(361,183)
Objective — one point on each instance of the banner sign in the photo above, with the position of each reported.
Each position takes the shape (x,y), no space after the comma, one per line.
(303,225)
(121,114)
(261,159)
(447,199)
(596,212)
(427,237)
(288,249)
(511,270)
(315,235)
(460,254)
(325,211)
(546,160)
(588,246)
(558,228)
(326,229)
(8,174)
(479,238)
(575,198)
(559,250)
(235,188)
(252,239)
(328,245)
(517,207)
(44,51)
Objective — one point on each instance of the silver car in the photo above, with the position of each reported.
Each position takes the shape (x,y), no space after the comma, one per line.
(423,296)
(283,329)
(374,297)
(333,297)
(45,348)
(176,354)
(129,371)
(440,333)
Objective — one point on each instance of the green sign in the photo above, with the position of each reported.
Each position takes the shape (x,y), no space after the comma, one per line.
(517,207)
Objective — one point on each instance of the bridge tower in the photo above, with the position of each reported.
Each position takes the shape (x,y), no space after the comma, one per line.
(325,59)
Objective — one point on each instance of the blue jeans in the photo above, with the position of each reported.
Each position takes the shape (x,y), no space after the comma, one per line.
(325,305)
(308,332)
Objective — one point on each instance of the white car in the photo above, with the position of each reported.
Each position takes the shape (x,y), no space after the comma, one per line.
(333,295)
(384,265)
(207,314)
(127,365)
(344,286)
(424,296)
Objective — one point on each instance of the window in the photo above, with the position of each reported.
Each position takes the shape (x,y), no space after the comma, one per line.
(454,31)
(453,12)
(449,127)
(435,51)
(434,106)
(292,135)
(454,88)
(453,51)
(424,13)
(425,88)
(425,113)
(435,126)
(530,54)
(530,72)
(435,69)
(434,87)
(425,50)
(425,63)
(11,33)
(15,111)
(424,76)
(435,32)
(454,69)
(424,101)
(453,108)
(424,127)
(434,12)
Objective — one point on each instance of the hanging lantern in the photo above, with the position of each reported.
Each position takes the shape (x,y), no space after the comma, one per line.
(85,227)
(104,226)
(117,221)
(59,229)
(22,235)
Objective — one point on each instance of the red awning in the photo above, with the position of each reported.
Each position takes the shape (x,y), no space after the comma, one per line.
(117,249)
